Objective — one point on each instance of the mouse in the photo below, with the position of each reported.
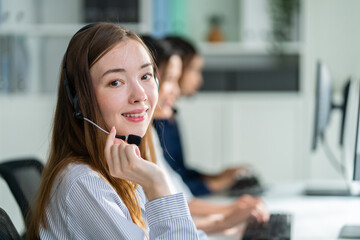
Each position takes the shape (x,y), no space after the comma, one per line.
(246,184)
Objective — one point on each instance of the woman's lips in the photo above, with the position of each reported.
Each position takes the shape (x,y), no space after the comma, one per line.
(136,115)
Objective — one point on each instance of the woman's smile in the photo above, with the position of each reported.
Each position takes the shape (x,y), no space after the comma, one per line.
(137,115)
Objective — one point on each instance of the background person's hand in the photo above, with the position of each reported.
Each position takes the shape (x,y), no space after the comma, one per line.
(256,206)
(244,209)
(224,180)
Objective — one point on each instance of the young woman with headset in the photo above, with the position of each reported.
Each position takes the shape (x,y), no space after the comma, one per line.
(96,185)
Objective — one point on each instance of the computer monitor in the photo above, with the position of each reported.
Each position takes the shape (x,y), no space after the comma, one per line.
(356,176)
(351,152)
(344,106)
(323,109)
(351,142)
(323,102)
(356,166)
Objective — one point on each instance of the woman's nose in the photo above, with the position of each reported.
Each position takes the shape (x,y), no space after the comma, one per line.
(137,92)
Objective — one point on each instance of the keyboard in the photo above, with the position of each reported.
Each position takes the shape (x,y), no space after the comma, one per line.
(277,228)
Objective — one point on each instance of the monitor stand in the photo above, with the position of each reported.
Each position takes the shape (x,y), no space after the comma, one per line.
(350,232)
(326,188)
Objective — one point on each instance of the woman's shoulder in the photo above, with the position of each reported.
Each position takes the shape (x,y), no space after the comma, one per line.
(75,171)
(77,176)
(73,174)
(82,174)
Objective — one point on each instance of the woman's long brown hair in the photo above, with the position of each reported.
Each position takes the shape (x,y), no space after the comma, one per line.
(74,140)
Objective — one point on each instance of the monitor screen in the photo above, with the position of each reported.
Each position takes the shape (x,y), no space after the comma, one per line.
(351,138)
(345,97)
(356,170)
(323,102)
(351,149)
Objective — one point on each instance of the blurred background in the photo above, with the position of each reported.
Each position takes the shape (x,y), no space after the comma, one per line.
(255,107)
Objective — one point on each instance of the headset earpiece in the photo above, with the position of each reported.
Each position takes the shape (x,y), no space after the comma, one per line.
(74,100)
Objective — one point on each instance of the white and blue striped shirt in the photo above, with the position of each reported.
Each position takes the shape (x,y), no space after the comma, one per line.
(84,206)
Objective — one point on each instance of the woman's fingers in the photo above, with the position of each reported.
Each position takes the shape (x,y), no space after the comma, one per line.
(116,159)
(110,138)
(137,151)
(112,153)
(124,161)
(132,164)
(108,144)
(264,214)
(253,206)
(132,152)
(259,211)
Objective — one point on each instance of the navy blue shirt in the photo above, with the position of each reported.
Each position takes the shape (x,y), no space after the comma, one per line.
(170,139)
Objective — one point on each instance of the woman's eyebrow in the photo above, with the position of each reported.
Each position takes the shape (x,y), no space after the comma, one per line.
(145,65)
(116,70)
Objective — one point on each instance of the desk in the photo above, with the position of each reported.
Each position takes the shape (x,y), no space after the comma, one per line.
(314,218)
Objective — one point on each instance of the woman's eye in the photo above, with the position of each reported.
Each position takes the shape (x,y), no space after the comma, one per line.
(146,76)
(115,83)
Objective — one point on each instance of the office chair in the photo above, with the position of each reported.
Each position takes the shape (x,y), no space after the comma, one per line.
(23,177)
(7,228)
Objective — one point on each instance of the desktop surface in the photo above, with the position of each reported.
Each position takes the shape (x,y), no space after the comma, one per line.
(313,217)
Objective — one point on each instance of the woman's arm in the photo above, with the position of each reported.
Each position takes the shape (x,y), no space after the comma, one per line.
(95,211)
(218,218)
(199,207)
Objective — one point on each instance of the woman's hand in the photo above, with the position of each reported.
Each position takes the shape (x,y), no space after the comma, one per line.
(244,209)
(213,218)
(251,207)
(225,179)
(125,162)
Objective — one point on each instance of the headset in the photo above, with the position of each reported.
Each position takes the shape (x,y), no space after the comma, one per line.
(74,100)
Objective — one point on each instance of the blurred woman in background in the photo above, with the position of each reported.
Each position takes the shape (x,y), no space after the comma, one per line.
(170,135)
(209,217)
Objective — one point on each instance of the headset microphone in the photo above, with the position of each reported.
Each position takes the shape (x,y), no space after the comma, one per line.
(74,100)
(131,139)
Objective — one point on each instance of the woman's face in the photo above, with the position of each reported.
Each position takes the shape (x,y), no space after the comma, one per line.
(125,88)
(191,79)
(169,88)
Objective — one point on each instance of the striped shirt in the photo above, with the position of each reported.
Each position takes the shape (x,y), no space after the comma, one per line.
(84,206)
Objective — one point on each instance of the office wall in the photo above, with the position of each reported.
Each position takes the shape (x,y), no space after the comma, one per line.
(260,130)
